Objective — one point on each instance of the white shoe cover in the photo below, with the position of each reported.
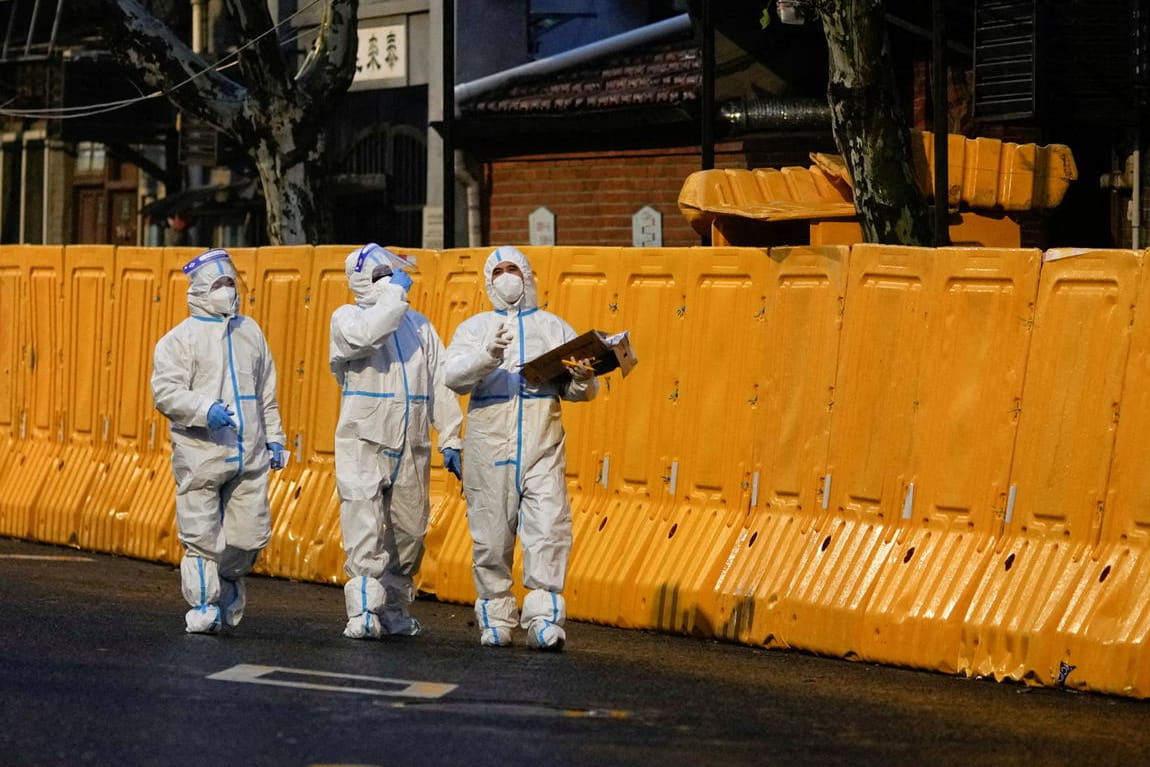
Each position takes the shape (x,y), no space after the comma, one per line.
(545,605)
(203,620)
(363,626)
(544,635)
(400,623)
(233,598)
(495,637)
(364,599)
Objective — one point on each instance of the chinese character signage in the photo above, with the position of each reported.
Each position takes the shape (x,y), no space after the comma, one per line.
(382,54)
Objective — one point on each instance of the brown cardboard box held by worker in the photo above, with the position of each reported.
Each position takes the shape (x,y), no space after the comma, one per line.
(607,353)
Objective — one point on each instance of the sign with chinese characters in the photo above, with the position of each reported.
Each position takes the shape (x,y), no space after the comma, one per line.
(381,54)
(541,225)
(647,228)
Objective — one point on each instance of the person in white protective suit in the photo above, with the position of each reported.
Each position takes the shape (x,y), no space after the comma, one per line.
(388,360)
(515,444)
(213,378)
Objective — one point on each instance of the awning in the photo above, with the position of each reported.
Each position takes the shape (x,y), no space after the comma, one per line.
(208,200)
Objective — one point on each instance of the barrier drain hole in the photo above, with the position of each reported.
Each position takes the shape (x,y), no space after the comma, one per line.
(826,542)
(674,529)
(1009,562)
(60,466)
(754,537)
(297,491)
(909,554)
(603,524)
(1105,574)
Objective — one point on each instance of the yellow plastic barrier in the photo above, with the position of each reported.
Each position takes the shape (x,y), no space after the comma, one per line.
(86,322)
(989,173)
(37,272)
(634,430)
(458,293)
(968,386)
(801,319)
(883,338)
(127,510)
(921,457)
(1106,626)
(280,304)
(711,433)
(1070,410)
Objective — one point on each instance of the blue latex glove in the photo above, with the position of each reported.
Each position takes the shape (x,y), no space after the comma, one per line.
(220,416)
(277,461)
(402,279)
(453,462)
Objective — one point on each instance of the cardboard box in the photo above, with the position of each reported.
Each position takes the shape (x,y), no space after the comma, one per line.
(608,352)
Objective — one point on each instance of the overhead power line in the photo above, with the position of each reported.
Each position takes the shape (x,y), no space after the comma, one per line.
(90,110)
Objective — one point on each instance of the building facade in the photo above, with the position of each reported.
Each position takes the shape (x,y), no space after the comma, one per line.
(570,124)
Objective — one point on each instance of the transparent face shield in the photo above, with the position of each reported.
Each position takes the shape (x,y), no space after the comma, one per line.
(373,257)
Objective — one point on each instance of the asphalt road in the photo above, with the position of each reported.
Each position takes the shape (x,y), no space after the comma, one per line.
(95,669)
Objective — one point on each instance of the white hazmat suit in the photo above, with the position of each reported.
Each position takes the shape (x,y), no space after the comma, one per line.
(515,446)
(387,359)
(217,361)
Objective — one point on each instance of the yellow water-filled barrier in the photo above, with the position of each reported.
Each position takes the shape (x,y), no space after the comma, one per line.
(922,457)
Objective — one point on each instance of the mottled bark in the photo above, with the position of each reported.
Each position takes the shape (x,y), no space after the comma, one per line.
(869,126)
(276,117)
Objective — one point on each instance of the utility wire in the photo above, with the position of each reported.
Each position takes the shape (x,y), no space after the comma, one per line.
(90,110)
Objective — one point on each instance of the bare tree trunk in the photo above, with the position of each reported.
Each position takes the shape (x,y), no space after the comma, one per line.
(869,127)
(290,199)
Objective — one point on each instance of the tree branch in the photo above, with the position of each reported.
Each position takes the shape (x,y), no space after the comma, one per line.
(147,46)
(329,68)
(261,60)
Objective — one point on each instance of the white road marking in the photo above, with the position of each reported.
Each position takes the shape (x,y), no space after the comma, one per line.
(374,685)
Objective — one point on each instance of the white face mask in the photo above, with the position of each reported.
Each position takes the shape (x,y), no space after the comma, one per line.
(222,300)
(509,287)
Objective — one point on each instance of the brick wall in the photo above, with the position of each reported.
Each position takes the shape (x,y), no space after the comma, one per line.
(594,195)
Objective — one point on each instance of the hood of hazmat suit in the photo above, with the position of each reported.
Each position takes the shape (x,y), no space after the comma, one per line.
(363,267)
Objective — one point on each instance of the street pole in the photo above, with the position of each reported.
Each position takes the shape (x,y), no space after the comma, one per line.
(941,126)
(448,124)
(707,95)
(707,92)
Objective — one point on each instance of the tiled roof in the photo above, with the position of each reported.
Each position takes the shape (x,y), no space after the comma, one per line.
(665,74)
